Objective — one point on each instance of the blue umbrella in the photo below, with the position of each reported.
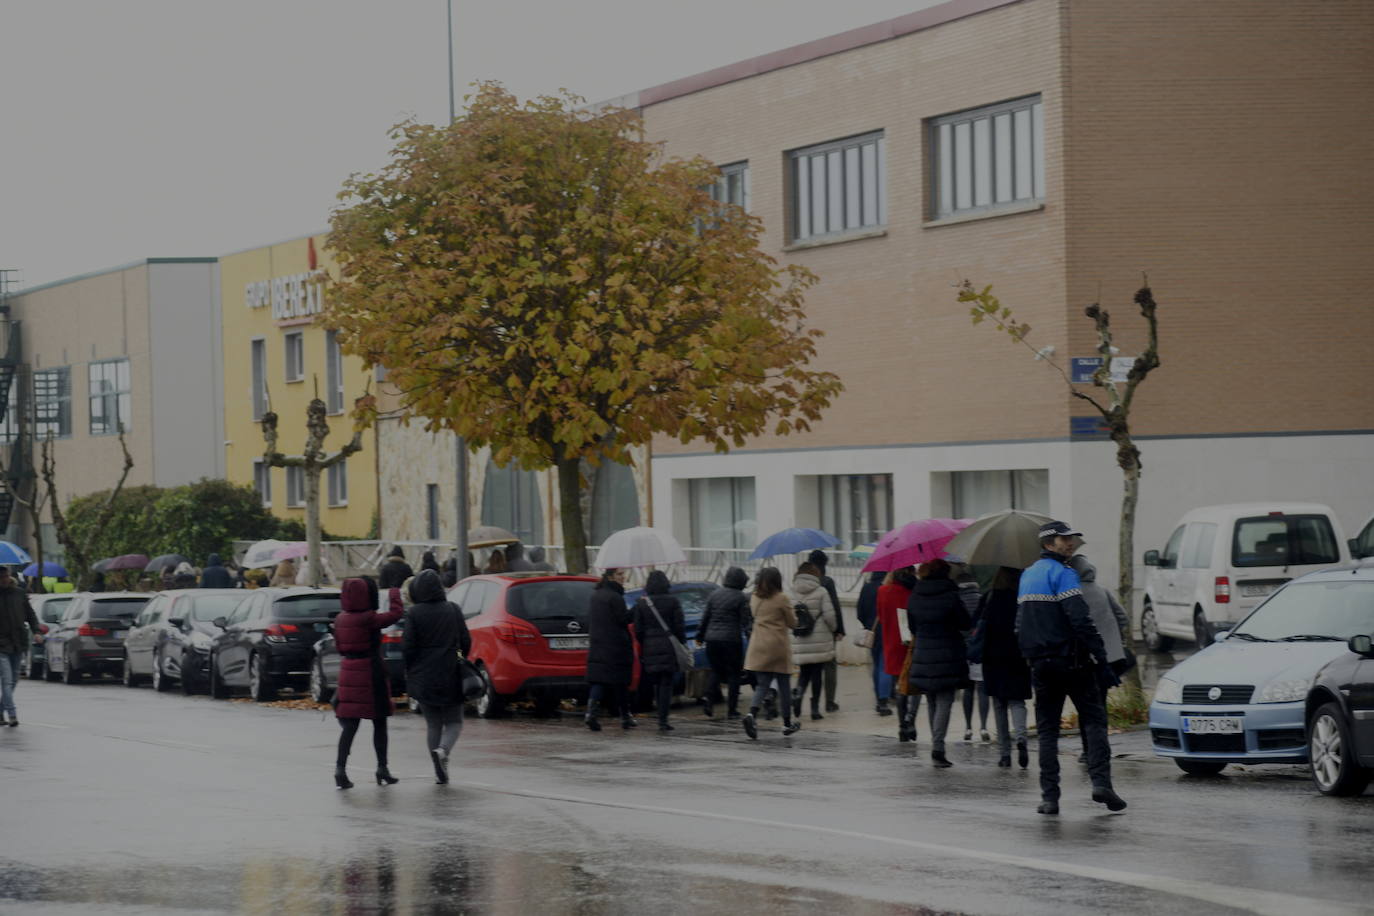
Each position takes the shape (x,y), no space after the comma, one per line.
(793,540)
(49,569)
(13,555)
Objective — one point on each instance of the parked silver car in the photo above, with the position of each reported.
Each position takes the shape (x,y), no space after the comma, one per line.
(89,639)
(169,641)
(48,609)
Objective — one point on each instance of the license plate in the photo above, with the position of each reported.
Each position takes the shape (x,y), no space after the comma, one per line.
(119,634)
(569,642)
(1212,725)
(1256,591)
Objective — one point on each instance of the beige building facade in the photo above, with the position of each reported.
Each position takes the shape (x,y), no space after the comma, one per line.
(1057,150)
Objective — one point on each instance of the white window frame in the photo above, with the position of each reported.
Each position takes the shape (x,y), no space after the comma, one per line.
(262,481)
(61,401)
(336,482)
(988,159)
(841,183)
(295,487)
(257,376)
(856,508)
(120,396)
(333,373)
(293,344)
(733,176)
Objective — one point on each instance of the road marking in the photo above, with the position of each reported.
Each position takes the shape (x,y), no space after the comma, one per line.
(47,725)
(162,742)
(1269,903)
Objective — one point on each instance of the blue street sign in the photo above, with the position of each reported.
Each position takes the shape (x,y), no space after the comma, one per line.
(1081,368)
(1087,428)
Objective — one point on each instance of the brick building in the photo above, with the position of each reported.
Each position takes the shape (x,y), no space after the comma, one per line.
(1054,149)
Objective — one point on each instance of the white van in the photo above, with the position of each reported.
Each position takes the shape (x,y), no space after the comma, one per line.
(1221,561)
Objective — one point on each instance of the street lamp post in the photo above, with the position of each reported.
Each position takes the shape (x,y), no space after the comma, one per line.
(460,452)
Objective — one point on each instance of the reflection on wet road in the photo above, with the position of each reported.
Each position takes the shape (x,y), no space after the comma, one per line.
(130,801)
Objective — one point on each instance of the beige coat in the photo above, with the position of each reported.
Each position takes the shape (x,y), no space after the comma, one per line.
(770,644)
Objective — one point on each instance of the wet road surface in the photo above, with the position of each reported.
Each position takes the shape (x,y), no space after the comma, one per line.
(128,801)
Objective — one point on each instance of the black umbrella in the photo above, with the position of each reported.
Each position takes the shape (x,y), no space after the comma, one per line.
(166,561)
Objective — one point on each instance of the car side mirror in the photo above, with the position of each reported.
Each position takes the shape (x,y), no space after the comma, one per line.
(1362,645)
(1152,558)
(219,622)
(177,622)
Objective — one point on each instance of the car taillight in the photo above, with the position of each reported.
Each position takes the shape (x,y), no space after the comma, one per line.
(277,631)
(515,632)
(391,637)
(1222,592)
(87,630)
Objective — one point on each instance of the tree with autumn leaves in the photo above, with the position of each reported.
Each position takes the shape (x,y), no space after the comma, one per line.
(539,278)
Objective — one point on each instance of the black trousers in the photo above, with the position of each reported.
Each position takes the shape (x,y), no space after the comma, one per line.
(727,667)
(1057,678)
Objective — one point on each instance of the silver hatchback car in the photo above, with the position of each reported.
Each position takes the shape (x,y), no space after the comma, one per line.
(89,639)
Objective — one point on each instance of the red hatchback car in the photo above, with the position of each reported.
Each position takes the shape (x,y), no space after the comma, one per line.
(529,636)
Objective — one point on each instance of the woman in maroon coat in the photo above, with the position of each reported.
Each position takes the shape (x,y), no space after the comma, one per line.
(363,691)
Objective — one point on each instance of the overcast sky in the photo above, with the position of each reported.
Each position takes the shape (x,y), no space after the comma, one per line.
(173,128)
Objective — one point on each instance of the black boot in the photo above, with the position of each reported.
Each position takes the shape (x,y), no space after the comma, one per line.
(750,728)
(883,709)
(341,778)
(796,704)
(593,709)
(816,709)
(627,721)
(384,777)
(1106,796)
(1022,753)
(939,759)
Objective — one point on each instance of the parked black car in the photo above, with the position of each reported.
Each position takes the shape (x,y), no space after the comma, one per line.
(169,642)
(89,639)
(49,610)
(268,642)
(324,673)
(1340,721)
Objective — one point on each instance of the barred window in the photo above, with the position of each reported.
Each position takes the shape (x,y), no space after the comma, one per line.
(52,403)
(839,187)
(109,396)
(987,158)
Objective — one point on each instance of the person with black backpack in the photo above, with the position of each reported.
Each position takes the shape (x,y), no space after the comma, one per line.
(813,638)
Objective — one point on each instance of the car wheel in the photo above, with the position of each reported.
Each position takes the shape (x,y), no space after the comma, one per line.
(260,682)
(127,674)
(188,674)
(1202,630)
(160,681)
(1149,629)
(1335,768)
(69,673)
(218,689)
(490,704)
(1199,767)
(319,690)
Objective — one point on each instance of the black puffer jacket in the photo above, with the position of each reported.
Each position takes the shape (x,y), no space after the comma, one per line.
(938,620)
(656,655)
(1005,673)
(727,617)
(215,575)
(435,631)
(611,654)
(394,570)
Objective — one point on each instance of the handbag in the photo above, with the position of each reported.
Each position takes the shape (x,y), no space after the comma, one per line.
(471,685)
(686,660)
(864,639)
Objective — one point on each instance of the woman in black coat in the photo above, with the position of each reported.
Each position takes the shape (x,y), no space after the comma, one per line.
(939,664)
(435,632)
(1005,672)
(394,570)
(611,649)
(657,657)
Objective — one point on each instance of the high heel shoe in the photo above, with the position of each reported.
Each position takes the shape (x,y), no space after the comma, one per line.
(341,778)
(384,777)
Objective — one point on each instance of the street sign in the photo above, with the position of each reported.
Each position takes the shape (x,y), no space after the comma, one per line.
(1087,428)
(1082,368)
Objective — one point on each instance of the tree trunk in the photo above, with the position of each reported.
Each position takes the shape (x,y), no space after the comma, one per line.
(1130,473)
(312,522)
(570,510)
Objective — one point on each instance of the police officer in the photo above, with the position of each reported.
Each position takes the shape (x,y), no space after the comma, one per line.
(1057,637)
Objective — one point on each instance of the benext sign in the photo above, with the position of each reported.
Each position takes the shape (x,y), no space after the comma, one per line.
(295,296)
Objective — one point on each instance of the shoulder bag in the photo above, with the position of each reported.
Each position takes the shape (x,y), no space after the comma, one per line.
(470,682)
(686,661)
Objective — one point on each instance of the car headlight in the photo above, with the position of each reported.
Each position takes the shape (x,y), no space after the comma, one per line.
(1283,691)
(1168,691)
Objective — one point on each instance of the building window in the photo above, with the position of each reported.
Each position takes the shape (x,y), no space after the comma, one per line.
(839,187)
(9,428)
(295,356)
(337,479)
(262,480)
(110,406)
(722,513)
(259,368)
(975,493)
(52,403)
(432,511)
(856,508)
(615,501)
(988,158)
(510,500)
(732,187)
(333,372)
(295,487)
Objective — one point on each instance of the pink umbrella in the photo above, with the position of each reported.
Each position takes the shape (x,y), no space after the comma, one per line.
(293,551)
(915,542)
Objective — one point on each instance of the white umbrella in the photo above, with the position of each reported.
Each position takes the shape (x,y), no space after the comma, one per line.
(637,547)
(1007,538)
(261,554)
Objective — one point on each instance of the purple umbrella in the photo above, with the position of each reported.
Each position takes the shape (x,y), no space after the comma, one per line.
(126,561)
(914,542)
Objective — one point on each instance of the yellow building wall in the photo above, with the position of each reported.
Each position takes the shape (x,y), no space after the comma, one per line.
(250,281)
